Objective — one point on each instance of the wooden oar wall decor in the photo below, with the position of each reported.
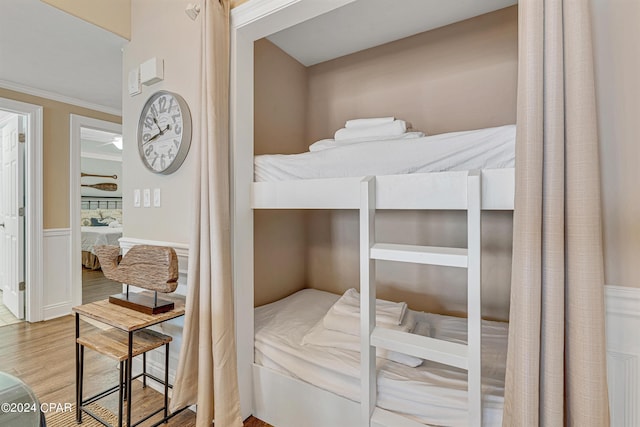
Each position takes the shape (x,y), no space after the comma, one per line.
(82,174)
(104,186)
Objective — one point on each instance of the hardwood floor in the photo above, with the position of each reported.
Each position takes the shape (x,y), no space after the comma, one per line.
(43,355)
(96,287)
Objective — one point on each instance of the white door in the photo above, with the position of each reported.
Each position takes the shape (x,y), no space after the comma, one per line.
(11,220)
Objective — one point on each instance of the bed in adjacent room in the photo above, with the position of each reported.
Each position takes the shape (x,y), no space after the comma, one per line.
(101,220)
(93,236)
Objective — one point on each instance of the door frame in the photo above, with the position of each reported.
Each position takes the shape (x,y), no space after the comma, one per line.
(75,198)
(33,206)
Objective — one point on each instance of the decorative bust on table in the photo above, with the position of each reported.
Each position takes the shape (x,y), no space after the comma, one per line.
(154,268)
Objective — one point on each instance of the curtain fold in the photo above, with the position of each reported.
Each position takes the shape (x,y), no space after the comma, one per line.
(556,362)
(207,368)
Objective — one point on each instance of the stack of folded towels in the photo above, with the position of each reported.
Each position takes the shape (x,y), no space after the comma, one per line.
(365,130)
(340,327)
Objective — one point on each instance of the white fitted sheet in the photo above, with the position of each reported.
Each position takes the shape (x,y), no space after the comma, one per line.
(491,148)
(431,393)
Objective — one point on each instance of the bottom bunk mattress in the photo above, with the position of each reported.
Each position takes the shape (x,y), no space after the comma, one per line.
(431,393)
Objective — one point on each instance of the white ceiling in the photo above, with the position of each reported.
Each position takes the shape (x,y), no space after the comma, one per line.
(99,142)
(44,48)
(368,23)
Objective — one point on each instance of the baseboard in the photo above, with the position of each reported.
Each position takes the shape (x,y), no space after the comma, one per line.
(623,354)
(53,311)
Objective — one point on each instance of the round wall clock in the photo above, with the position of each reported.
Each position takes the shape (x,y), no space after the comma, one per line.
(164,132)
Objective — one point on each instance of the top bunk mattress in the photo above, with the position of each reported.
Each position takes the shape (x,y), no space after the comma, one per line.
(431,393)
(491,148)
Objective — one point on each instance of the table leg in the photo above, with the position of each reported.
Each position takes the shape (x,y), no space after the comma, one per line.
(166,382)
(120,396)
(125,381)
(129,371)
(144,370)
(81,378)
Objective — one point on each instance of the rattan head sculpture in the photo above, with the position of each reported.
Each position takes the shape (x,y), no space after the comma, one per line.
(149,267)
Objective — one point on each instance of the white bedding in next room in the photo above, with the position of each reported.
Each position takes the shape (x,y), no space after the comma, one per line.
(491,148)
(93,236)
(431,393)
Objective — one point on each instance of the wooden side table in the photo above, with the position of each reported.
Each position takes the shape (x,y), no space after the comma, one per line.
(124,319)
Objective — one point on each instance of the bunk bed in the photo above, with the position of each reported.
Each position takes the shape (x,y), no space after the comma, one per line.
(278,343)
(288,384)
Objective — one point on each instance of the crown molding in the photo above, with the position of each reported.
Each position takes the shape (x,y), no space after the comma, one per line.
(17,87)
(100,156)
(293,12)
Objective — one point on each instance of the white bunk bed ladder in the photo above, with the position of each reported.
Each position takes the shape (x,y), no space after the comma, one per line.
(466,357)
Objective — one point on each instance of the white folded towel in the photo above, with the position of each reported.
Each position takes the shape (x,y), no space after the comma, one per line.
(324,144)
(323,337)
(397,127)
(349,324)
(387,312)
(361,123)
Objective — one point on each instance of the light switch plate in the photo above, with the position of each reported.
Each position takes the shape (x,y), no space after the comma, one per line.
(133,84)
(156,197)
(136,198)
(146,195)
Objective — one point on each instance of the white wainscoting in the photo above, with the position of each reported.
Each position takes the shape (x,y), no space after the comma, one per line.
(623,354)
(56,292)
(155,359)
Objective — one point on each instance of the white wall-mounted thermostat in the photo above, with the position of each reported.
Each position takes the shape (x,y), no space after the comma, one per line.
(152,71)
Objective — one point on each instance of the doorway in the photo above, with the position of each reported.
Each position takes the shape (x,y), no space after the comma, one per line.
(20,212)
(96,203)
(12,238)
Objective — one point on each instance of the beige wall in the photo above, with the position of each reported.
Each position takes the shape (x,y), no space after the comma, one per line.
(56,135)
(279,127)
(280,101)
(459,77)
(112,15)
(617,68)
(179,45)
(462,76)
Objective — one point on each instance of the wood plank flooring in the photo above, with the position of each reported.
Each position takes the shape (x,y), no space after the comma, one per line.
(43,355)
(96,287)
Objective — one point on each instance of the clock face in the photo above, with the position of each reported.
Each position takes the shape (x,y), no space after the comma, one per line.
(164,132)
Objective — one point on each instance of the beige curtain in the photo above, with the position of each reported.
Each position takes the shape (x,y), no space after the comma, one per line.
(556,370)
(207,367)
